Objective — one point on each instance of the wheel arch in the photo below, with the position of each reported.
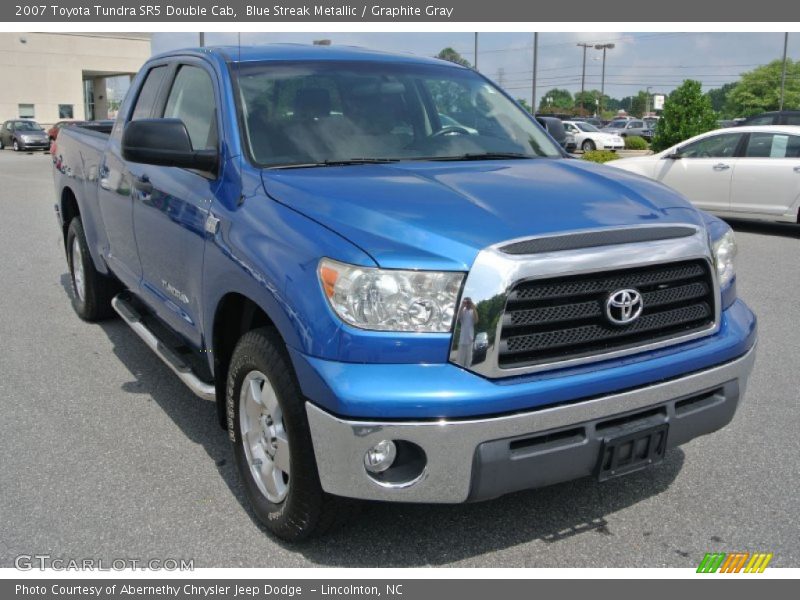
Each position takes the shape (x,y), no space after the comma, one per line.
(69,209)
(235,315)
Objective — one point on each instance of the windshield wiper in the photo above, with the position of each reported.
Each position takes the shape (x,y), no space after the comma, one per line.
(339,163)
(484,156)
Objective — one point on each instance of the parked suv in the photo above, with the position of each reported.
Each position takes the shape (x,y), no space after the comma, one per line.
(629,127)
(783,117)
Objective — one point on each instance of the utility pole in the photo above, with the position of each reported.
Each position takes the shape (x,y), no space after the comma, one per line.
(647,101)
(603,47)
(783,74)
(202,40)
(475,56)
(535,58)
(583,71)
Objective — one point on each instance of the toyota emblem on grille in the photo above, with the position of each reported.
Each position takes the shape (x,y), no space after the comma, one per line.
(623,307)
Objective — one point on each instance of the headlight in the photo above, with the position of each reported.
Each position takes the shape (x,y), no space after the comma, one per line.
(724,252)
(391,300)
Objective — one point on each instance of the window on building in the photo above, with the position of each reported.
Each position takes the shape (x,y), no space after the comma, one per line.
(66,111)
(26,111)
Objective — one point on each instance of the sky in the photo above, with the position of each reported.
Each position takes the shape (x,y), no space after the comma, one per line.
(660,60)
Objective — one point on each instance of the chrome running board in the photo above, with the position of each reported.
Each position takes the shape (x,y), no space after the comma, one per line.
(204,390)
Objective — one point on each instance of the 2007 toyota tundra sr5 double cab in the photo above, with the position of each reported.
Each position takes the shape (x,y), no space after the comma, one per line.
(393,283)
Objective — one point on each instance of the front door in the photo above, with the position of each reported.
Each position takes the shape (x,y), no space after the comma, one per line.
(704,170)
(171,205)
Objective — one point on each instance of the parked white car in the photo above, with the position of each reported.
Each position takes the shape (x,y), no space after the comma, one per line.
(588,137)
(734,172)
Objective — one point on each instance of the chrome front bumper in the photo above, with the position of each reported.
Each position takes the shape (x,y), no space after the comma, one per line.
(452,446)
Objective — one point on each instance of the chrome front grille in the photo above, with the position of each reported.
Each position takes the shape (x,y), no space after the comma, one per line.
(540,303)
(563,318)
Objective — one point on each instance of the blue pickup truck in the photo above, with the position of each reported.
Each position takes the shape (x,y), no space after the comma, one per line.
(393,283)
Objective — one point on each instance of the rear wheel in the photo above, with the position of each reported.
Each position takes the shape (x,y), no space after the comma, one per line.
(91,290)
(272,442)
(588,146)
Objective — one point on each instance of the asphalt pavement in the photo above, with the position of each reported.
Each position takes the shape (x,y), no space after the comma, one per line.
(105,454)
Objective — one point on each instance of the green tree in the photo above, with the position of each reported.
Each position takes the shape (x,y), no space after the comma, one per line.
(589,104)
(454,57)
(687,112)
(560,101)
(759,89)
(719,98)
(524,104)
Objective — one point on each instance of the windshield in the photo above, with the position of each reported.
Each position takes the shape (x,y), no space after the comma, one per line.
(27,126)
(586,127)
(297,114)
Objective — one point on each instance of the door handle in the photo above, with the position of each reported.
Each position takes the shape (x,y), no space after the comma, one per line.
(721,167)
(142,185)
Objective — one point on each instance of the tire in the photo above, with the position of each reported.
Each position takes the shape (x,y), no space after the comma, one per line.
(2,144)
(287,499)
(588,146)
(16,146)
(91,290)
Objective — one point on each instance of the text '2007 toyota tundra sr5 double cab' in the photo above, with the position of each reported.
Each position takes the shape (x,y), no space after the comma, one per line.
(392,281)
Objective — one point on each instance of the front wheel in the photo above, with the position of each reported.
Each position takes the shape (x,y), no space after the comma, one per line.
(588,146)
(16,146)
(272,444)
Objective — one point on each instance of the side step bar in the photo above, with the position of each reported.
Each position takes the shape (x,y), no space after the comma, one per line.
(128,313)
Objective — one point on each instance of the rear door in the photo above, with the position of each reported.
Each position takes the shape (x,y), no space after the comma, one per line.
(114,190)
(767,176)
(703,173)
(171,205)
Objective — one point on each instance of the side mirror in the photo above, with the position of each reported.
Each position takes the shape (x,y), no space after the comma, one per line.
(164,142)
(674,155)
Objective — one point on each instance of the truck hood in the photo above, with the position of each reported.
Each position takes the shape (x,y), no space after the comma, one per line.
(439,215)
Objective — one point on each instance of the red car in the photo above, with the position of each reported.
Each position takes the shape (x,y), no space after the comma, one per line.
(52,133)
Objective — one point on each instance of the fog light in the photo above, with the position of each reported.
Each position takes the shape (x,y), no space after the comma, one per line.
(380,457)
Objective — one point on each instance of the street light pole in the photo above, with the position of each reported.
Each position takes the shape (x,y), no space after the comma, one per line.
(535,59)
(783,74)
(583,71)
(475,57)
(603,47)
(647,101)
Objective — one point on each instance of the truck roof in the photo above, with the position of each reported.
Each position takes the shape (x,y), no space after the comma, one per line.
(290,52)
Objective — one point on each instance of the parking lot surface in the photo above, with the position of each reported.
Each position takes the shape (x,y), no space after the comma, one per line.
(105,454)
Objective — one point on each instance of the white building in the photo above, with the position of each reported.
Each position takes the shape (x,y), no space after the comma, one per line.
(54,76)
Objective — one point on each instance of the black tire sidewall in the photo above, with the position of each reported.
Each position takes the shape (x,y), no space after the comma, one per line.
(74,232)
(16,146)
(99,289)
(294,518)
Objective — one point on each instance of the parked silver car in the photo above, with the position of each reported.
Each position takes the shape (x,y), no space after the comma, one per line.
(629,127)
(23,134)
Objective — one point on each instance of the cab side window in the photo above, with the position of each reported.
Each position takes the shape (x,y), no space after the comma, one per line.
(715,146)
(192,101)
(148,93)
